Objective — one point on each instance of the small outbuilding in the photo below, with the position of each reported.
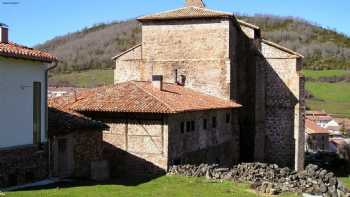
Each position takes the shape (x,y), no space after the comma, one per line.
(152,125)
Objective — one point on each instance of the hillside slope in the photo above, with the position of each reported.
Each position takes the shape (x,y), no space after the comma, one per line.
(93,47)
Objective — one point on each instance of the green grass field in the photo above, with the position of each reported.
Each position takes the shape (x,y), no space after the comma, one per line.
(85,79)
(166,186)
(334,98)
(325,73)
(346,181)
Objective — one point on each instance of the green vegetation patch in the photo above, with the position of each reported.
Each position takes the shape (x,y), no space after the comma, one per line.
(346,181)
(335,108)
(316,74)
(85,79)
(332,92)
(174,186)
(334,98)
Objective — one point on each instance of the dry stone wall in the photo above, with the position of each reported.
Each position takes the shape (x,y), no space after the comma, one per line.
(270,178)
(23,165)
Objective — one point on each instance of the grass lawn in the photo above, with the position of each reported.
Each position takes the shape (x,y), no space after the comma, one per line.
(164,186)
(346,181)
(85,79)
(325,73)
(334,98)
(334,92)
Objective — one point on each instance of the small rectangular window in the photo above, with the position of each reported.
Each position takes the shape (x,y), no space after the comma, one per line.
(214,122)
(182,127)
(188,126)
(205,124)
(36,112)
(228,118)
(193,125)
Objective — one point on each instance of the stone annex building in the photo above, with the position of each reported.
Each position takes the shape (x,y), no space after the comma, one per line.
(202,87)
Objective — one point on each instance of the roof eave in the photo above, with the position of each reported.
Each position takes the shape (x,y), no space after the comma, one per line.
(285,49)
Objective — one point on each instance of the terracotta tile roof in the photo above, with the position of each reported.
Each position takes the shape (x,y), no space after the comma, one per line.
(22,52)
(312,128)
(186,13)
(142,97)
(196,3)
(62,120)
(319,117)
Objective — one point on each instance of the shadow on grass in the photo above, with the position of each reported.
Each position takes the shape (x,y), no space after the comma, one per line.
(71,183)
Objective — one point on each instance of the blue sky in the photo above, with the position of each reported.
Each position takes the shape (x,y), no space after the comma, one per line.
(35,21)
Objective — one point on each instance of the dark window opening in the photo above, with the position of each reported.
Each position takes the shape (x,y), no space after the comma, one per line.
(193,125)
(214,122)
(62,145)
(188,126)
(182,127)
(36,113)
(12,180)
(228,118)
(177,162)
(217,161)
(29,176)
(205,124)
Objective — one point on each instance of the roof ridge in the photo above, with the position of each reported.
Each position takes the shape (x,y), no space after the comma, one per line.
(282,48)
(146,17)
(242,22)
(158,99)
(126,51)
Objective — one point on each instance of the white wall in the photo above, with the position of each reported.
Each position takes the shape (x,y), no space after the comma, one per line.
(16,101)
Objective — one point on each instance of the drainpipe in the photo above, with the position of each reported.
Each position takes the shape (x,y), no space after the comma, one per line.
(53,65)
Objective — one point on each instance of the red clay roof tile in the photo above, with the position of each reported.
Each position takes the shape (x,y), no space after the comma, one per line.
(312,128)
(142,97)
(22,52)
(186,13)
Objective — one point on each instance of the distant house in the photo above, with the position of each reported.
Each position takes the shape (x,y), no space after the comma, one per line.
(316,137)
(324,120)
(23,122)
(336,143)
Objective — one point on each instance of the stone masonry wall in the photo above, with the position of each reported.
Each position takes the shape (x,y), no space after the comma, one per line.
(23,165)
(136,147)
(204,144)
(87,149)
(83,148)
(128,66)
(198,49)
(284,122)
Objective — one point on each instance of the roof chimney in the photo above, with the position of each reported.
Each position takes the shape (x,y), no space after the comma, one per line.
(157,81)
(4,33)
(195,3)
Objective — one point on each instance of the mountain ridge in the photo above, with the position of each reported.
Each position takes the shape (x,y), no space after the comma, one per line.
(93,47)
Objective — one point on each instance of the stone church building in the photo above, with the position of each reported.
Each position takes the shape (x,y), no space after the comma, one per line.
(202,87)
(214,53)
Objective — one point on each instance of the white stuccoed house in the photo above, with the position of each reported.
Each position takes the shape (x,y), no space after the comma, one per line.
(23,111)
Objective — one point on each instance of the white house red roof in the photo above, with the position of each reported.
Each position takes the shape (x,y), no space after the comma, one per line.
(312,128)
(22,52)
